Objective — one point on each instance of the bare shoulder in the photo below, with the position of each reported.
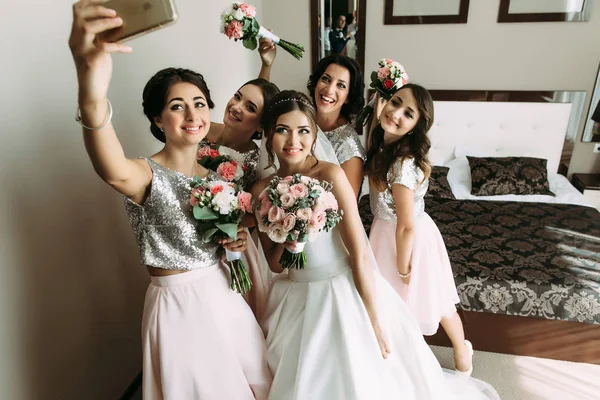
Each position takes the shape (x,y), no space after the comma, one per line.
(143,165)
(329,171)
(260,186)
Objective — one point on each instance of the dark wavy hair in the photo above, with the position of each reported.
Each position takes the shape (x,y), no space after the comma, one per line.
(268,90)
(284,102)
(154,97)
(356,85)
(415,144)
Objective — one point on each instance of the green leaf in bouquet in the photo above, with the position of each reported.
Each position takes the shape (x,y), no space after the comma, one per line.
(251,43)
(208,234)
(302,203)
(204,213)
(229,229)
(247,23)
(203,160)
(292,236)
(255,26)
(374,79)
(219,159)
(387,94)
(303,237)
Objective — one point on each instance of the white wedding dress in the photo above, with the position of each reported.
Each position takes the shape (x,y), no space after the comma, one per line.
(321,344)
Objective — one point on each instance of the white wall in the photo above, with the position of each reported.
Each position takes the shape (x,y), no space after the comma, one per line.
(481,54)
(72,288)
(290,20)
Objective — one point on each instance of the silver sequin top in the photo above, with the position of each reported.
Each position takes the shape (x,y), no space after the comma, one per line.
(250,158)
(164,226)
(405,173)
(346,143)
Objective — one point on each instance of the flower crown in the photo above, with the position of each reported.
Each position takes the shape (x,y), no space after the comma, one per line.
(292,99)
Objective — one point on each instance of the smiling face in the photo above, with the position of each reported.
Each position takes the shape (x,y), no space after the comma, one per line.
(293,137)
(186,116)
(332,89)
(244,110)
(399,115)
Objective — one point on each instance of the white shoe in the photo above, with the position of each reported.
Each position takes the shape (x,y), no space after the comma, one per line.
(468,372)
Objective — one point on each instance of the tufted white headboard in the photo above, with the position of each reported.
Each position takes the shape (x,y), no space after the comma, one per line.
(499,129)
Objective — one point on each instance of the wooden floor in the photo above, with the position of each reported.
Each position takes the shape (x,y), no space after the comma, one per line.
(536,337)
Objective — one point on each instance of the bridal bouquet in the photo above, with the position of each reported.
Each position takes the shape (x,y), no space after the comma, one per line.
(296,208)
(228,168)
(220,206)
(386,80)
(238,23)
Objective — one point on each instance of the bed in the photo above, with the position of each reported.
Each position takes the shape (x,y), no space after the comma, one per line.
(526,263)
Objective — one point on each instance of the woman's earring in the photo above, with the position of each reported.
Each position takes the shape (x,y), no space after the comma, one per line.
(162,129)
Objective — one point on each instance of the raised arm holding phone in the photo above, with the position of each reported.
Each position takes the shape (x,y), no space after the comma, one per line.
(199,338)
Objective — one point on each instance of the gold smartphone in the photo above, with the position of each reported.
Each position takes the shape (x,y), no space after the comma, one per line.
(139,17)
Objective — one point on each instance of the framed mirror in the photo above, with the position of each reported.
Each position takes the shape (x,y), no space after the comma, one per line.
(340,20)
(401,12)
(591,131)
(544,11)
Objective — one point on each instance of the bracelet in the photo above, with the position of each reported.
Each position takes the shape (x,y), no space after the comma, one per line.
(404,276)
(109,114)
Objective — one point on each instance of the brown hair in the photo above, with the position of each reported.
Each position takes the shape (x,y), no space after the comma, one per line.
(415,144)
(156,90)
(282,103)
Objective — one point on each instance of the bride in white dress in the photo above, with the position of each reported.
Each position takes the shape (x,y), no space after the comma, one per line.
(337,330)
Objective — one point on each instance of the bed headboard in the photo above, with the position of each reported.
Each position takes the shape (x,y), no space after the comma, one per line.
(499,129)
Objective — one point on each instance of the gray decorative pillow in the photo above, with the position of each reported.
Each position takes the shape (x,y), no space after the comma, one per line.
(494,176)
(438,183)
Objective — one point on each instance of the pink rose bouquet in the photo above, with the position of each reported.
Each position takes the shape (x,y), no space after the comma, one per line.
(220,206)
(238,22)
(224,165)
(386,80)
(296,208)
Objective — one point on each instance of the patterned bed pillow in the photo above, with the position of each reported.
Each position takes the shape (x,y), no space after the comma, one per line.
(494,176)
(438,183)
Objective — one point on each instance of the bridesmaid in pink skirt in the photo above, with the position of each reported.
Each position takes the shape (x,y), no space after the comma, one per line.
(200,339)
(406,242)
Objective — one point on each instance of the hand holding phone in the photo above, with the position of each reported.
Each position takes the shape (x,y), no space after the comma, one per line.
(139,17)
